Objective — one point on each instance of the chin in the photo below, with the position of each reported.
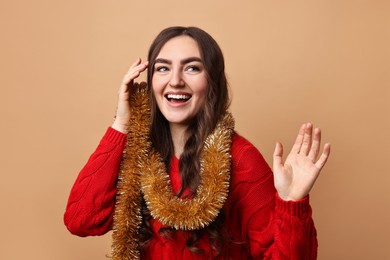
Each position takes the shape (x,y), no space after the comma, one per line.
(178,120)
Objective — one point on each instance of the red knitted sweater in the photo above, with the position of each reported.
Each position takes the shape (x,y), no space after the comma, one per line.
(260,224)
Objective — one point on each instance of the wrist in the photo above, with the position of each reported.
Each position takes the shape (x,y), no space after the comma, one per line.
(300,208)
(120,127)
(289,197)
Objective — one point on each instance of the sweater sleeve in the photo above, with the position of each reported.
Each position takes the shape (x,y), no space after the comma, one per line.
(91,202)
(272,227)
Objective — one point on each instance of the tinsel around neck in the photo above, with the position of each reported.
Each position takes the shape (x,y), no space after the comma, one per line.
(142,169)
(211,194)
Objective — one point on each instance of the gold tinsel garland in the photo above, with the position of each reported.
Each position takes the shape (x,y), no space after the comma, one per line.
(211,193)
(143,168)
(127,215)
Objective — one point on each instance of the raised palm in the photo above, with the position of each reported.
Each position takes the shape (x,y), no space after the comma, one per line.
(296,176)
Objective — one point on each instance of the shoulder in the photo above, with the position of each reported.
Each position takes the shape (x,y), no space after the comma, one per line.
(247,162)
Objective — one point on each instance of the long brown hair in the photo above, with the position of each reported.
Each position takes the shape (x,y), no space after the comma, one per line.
(216,103)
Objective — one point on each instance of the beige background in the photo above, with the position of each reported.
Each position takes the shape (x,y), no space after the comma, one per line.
(287,61)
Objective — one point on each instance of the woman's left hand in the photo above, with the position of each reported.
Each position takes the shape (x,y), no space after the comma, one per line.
(296,176)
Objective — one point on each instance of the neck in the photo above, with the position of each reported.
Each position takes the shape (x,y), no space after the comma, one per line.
(179,137)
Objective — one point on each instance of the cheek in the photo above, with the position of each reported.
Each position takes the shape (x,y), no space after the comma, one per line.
(156,87)
(203,89)
(155,94)
(154,90)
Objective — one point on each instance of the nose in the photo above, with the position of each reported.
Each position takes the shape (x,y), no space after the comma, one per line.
(176,80)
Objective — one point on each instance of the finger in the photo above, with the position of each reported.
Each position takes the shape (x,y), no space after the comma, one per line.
(324,156)
(128,78)
(135,63)
(278,154)
(134,73)
(307,139)
(315,147)
(298,141)
(140,67)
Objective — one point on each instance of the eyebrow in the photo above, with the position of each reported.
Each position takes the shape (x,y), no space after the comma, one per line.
(182,62)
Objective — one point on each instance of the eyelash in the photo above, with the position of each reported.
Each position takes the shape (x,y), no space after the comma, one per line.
(193,68)
(190,68)
(162,69)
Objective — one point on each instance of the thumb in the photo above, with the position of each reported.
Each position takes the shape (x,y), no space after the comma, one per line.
(278,154)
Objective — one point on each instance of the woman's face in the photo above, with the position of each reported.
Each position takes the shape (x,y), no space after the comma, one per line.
(179,80)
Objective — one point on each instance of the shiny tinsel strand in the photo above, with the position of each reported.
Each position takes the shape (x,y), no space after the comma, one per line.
(143,169)
(212,192)
(127,215)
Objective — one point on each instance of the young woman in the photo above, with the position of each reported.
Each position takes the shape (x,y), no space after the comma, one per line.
(172,178)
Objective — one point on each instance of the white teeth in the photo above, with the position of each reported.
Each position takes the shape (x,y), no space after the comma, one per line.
(173,96)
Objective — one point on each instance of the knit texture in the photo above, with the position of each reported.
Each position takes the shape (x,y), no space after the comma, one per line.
(259,224)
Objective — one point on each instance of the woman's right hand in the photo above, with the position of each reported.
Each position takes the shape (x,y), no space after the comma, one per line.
(123,110)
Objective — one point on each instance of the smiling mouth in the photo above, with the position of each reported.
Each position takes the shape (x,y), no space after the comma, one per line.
(177,97)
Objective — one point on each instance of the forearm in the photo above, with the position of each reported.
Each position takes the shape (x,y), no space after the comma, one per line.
(91,202)
(290,233)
